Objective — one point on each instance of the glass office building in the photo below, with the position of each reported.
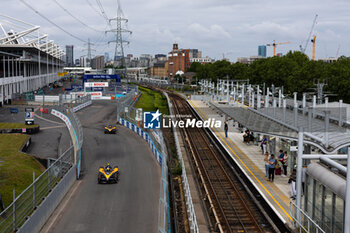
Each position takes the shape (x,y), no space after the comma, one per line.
(262,50)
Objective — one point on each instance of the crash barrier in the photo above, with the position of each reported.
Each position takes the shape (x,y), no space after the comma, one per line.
(145,136)
(13,110)
(47,98)
(164,214)
(189,203)
(30,209)
(81,106)
(75,130)
(49,204)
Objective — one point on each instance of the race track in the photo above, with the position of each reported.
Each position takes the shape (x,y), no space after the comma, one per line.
(129,206)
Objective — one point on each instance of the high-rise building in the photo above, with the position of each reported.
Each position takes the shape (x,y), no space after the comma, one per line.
(77,62)
(69,56)
(98,62)
(195,53)
(83,61)
(262,50)
(107,57)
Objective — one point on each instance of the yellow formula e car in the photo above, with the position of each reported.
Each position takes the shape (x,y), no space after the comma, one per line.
(110,129)
(108,174)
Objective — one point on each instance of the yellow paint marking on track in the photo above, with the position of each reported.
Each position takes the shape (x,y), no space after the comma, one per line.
(273,198)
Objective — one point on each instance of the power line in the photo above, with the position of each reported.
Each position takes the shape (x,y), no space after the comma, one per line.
(102,10)
(47,19)
(99,13)
(73,16)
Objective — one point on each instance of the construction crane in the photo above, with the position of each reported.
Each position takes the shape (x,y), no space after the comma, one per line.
(303,49)
(274,44)
(336,55)
(223,55)
(313,47)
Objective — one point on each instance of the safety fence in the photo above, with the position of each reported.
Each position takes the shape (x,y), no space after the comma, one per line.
(31,199)
(26,205)
(164,217)
(189,203)
(306,224)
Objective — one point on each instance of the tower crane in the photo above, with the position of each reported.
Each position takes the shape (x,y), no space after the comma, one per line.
(227,53)
(313,40)
(303,49)
(274,44)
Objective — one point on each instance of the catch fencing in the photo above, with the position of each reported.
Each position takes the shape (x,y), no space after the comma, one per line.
(30,200)
(27,208)
(156,142)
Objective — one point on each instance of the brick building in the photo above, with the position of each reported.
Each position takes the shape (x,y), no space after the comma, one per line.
(159,70)
(178,61)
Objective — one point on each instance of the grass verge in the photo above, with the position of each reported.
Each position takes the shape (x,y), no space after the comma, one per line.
(152,100)
(16,168)
(4,125)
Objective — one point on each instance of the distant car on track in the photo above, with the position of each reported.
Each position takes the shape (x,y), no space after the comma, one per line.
(110,129)
(108,174)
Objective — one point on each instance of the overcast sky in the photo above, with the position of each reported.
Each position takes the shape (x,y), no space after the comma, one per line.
(212,26)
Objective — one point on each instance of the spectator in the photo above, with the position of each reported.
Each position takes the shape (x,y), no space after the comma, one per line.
(272,164)
(280,163)
(251,137)
(280,157)
(263,145)
(267,157)
(285,163)
(291,181)
(226,128)
(246,137)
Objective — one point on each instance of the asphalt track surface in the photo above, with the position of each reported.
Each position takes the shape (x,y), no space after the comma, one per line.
(128,206)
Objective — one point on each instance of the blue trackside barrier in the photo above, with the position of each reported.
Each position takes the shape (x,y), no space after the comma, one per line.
(145,136)
(14,110)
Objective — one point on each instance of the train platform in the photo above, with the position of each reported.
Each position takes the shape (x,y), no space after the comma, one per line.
(249,157)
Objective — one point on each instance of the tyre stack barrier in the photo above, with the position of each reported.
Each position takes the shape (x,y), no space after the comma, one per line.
(26,145)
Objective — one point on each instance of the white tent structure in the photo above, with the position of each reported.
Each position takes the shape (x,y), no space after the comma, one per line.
(28,59)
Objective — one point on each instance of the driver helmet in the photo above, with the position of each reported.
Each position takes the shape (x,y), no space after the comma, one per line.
(108,167)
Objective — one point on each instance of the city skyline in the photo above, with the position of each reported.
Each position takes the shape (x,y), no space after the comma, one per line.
(240,29)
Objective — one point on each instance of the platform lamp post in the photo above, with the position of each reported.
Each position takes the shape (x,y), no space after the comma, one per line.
(299,170)
(347,197)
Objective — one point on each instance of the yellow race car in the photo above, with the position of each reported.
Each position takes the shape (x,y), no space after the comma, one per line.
(110,129)
(108,174)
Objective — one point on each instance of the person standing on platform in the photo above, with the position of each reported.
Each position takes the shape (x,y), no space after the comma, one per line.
(285,163)
(226,128)
(266,159)
(263,145)
(281,156)
(272,164)
(291,181)
(280,163)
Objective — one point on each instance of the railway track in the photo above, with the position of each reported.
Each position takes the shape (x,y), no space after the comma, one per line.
(230,207)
